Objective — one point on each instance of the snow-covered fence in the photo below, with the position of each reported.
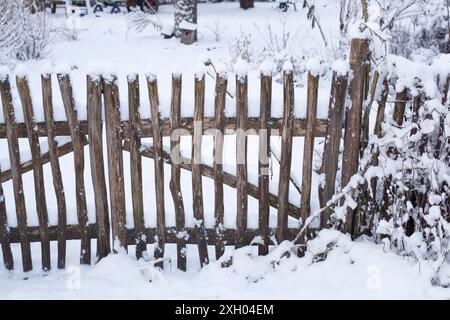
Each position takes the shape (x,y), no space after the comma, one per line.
(126,135)
(104,112)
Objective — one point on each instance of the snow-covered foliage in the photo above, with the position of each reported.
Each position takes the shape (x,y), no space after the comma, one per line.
(23,35)
(279,47)
(409,207)
(137,21)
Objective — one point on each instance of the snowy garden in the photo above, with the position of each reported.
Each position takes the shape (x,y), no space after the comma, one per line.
(351,202)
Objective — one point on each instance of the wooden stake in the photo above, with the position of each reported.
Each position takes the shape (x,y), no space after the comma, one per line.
(219,103)
(159,168)
(241,158)
(311,114)
(197,189)
(115,163)
(286,155)
(38,173)
(264,162)
(95,128)
(134,136)
(332,142)
(54,154)
(359,60)
(14,158)
(175,184)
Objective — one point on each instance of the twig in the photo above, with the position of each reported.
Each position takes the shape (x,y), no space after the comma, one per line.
(313,15)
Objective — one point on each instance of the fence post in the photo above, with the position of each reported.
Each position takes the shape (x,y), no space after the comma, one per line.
(14,157)
(159,166)
(47,94)
(197,189)
(95,128)
(308,148)
(115,163)
(175,184)
(264,160)
(286,154)
(332,142)
(38,174)
(219,103)
(241,158)
(78,156)
(359,61)
(134,136)
(5,240)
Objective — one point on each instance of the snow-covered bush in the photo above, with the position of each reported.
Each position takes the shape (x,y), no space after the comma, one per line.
(216,29)
(415,211)
(280,46)
(241,48)
(23,35)
(427,27)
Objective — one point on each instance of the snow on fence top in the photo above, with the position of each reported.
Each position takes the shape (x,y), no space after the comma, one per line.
(408,74)
(241,68)
(315,67)
(340,67)
(267,68)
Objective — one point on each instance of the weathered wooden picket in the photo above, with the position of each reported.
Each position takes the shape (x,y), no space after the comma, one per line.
(125,136)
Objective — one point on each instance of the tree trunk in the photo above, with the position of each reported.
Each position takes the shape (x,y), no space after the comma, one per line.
(245,4)
(184,10)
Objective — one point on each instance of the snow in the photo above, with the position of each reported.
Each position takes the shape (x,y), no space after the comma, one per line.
(241,68)
(334,267)
(4,73)
(186,25)
(267,68)
(359,30)
(21,71)
(288,67)
(343,270)
(315,67)
(409,72)
(341,67)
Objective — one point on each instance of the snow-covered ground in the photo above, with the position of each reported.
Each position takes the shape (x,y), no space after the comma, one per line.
(360,270)
(352,270)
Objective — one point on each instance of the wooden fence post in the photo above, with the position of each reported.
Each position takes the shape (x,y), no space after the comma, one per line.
(219,103)
(95,131)
(175,184)
(14,157)
(5,240)
(197,189)
(264,161)
(359,61)
(134,136)
(311,114)
(78,156)
(286,154)
(115,163)
(159,167)
(241,158)
(38,173)
(47,94)
(332,142)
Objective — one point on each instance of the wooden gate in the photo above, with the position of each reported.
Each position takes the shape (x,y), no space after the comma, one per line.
(119,136)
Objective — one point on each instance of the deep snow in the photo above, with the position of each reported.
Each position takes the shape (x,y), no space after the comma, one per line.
(352,270)
(360,270)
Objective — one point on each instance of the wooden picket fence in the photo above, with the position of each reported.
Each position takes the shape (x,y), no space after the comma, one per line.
(103,92)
